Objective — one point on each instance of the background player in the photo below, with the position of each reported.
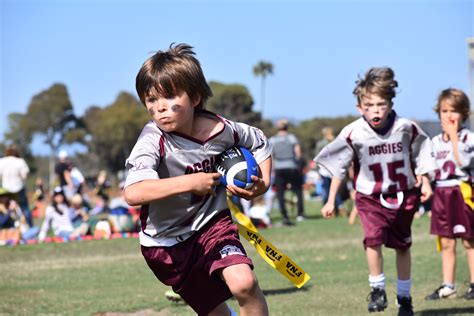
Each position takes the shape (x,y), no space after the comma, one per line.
(451,217)
(387,152)
(188,238)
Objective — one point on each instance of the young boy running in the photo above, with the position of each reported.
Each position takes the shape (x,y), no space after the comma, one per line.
(391,157)
(451,216)
(188,238)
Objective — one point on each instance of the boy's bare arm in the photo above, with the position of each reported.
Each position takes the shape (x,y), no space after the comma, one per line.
(328,208)
(146,191)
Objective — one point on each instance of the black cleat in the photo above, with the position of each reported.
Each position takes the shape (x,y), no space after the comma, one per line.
(405,307)
(443,291)
(469,295)
(377,300)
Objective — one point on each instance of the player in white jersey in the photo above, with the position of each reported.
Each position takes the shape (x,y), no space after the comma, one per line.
(391,156)
(451,213)
(188,238)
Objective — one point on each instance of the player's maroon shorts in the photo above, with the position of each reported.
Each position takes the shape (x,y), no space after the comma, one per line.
(189,266)
(450,216)
(385,226)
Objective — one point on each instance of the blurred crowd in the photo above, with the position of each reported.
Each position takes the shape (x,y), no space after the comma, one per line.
(71,209)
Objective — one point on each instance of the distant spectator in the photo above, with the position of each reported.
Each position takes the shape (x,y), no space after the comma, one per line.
(58,217)
(286,157)
(78,215)
(103,186)
(13,172)
(77,178)
(39,194)
(63,174)
(39,198)
(259,214)
(312,180)
(13,226)
(9,230)
(119,214)
(328,136)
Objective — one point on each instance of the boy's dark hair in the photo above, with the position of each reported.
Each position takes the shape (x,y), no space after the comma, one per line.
(171,72)
(457,99)
(379,81)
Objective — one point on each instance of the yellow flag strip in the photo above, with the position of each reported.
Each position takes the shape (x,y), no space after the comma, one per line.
(466,191)
(272,255)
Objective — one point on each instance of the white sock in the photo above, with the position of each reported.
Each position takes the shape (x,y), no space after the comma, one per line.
(377,281)
(450,285)
(403,287)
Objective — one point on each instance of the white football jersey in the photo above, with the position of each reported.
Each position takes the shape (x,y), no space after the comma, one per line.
(385,163)
(448,169)
(158,155)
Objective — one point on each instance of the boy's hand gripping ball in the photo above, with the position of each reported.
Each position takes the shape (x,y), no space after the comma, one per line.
(236,166)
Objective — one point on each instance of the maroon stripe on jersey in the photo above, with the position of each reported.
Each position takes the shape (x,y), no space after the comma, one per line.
(162,146)
(144,215)
(234,132)
(464,139)
(236,138)
(413,136)
(355,160)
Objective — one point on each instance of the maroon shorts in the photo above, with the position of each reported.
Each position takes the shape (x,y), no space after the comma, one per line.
(450,216)
(384,226)
(188,267)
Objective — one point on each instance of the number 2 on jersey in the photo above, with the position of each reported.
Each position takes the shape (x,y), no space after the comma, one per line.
(447,171)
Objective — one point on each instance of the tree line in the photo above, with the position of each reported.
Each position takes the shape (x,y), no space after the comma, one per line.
(109,132)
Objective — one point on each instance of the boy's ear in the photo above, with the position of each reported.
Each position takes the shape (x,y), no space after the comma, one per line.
(196,101)
(359,109)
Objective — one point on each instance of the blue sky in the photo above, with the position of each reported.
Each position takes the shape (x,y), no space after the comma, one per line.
(95,47)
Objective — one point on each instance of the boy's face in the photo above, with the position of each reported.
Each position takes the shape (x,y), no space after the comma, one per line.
(174,114)
(449,115)
(375,110)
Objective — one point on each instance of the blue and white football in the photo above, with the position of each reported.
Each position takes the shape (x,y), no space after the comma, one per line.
(236,166)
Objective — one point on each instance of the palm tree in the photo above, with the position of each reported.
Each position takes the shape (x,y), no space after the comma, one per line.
(262,69)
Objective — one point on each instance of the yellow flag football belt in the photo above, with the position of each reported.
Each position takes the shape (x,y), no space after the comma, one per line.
(271,254)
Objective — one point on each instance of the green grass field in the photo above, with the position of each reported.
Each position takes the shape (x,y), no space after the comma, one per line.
(109,277)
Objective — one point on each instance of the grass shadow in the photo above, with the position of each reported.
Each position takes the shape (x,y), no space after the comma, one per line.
(446,311)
